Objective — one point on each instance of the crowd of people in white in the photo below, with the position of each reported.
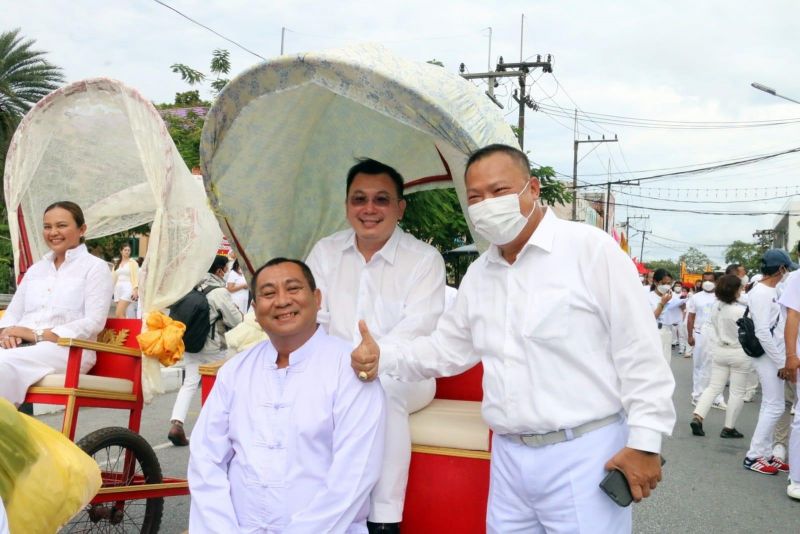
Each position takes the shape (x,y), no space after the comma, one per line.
(704,323)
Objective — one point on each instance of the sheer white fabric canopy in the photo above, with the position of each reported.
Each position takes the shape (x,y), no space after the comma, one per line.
(280,138)
(100,144)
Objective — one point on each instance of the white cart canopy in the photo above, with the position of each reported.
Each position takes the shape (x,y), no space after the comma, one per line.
(100,144)
(280,138)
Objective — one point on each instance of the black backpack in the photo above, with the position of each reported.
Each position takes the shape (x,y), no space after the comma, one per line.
(193,310)
(747,336)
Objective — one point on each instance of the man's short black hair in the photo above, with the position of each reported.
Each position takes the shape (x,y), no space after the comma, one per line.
(277,261)
(516,154)
(660,274)
(219,263)
(733,268)
(712,274)
(371,166)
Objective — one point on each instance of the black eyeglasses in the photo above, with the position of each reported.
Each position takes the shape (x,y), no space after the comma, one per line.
(380,200)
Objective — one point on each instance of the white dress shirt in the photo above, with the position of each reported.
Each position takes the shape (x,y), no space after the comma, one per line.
(293,450)
(768,321)
(73,301)
(400,291)
(700,305)
(565,334)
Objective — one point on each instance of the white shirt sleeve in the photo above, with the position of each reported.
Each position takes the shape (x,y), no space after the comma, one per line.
(790,298)
(358,415)
(764,320)
(316,263)
(448,351)
(96,302)
(211,509)
(646,382)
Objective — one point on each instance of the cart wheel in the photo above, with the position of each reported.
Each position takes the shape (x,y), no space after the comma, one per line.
(125,458)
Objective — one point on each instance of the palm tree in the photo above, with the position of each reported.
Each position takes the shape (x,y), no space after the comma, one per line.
(25,77)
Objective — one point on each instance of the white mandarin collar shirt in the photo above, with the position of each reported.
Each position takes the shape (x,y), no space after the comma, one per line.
(400,291)
(565,334)
(73,300)
(790,298)
(287,451)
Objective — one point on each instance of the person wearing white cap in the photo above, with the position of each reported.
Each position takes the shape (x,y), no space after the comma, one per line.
(575,383)
(769,324)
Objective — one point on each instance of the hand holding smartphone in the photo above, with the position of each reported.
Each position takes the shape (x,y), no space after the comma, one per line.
(616,486)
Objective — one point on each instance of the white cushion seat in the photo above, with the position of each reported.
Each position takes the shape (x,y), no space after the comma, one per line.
(455,424)
(96,383)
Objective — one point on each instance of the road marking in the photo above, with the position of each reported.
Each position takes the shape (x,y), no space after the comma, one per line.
(162,446)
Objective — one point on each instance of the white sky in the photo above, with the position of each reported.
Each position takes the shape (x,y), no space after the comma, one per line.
(658,60)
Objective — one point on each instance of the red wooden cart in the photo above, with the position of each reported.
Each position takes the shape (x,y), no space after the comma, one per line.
(131,498)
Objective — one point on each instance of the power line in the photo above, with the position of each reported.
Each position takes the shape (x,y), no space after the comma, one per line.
(751,200)
(708,212)
(209,29)
(737,163)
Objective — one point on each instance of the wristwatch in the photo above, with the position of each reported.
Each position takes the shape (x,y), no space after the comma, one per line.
(39,333)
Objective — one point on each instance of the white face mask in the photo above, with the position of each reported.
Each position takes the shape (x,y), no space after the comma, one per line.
(663,288)
(498,219)
(745,279)
(708,286)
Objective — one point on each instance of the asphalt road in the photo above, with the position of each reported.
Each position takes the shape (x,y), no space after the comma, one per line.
(705,489)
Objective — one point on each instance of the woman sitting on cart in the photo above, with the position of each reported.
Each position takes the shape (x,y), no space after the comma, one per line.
(65,294)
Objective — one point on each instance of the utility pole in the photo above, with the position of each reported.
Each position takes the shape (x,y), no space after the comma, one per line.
(512,70)
(283,35)
(641,255)
(575,145)
(628,229)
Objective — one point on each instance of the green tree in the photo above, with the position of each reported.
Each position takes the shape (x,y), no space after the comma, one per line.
(673,267)
(435,217)
(25,77)
(696,261)
(747,254)
(220,66)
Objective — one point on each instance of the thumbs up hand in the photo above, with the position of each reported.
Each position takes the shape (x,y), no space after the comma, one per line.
(364,359)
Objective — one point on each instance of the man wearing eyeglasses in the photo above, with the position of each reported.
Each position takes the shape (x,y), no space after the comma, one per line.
(376,272)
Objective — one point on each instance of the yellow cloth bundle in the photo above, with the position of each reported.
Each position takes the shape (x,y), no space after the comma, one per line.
(45,479)
(163,339)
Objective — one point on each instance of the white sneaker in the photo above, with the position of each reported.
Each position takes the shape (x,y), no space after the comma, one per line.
(779,452)
(720,405)
(793,490)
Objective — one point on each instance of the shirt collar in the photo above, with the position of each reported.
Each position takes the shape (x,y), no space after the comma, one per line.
(388,251)
(298,358)
(543,238)
(70,254)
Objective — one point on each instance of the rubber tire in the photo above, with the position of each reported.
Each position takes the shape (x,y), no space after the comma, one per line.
(145,456)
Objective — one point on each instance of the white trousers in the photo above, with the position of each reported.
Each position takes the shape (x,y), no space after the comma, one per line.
(794,443)
(701,368)
(3,520)
(772,406)
(726,363)
(191,381)
(555,489)
(402,398)
(683,344)
(22,367)
(752,382)
(666,342)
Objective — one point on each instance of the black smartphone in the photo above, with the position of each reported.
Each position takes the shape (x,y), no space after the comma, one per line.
(616,486)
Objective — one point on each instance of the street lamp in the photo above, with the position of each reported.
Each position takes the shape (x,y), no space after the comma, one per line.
(772,91)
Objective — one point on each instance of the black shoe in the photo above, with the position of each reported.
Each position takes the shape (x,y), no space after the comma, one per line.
(383,528)
(176,435)
(697,427)
(730,433)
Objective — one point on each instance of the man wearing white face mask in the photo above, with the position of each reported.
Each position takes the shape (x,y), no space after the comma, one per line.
(575,384)
(667,309)
(698,310)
